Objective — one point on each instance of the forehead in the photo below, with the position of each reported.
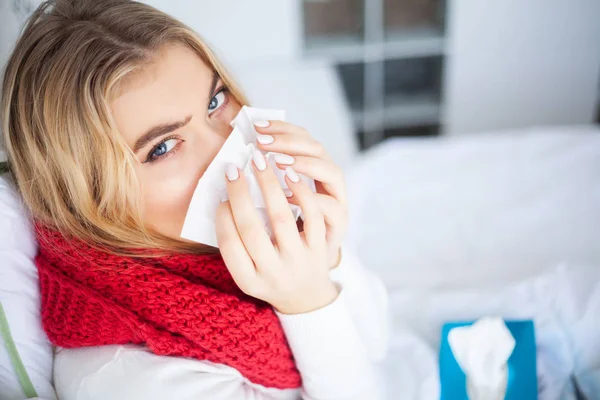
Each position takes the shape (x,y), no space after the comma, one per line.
(175,84)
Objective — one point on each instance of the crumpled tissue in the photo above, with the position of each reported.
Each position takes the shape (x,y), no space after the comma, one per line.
(199,224)
(482,350)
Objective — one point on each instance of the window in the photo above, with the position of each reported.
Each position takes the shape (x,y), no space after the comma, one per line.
(389,55)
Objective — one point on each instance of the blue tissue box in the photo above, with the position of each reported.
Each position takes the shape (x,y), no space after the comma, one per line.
(522,374)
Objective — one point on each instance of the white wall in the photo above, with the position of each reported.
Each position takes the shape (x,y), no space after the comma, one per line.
(514,63)
(10,27)
(242,30)
(11,23)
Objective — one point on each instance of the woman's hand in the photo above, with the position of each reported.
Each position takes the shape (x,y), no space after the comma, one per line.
(290,272)
(309,158)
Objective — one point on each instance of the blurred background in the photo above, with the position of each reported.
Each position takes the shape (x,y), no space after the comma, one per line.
(403,67)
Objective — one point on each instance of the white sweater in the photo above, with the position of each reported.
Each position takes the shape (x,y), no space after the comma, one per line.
(336,349)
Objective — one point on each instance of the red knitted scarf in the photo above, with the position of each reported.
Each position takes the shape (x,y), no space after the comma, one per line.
(179,305)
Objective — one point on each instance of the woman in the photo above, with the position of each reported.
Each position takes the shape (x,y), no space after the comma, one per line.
(112,111)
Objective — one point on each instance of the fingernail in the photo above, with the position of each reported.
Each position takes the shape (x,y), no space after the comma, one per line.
(284,159)
(288,193)
(232,172)
(292,175)
(259,160)
(265,139)
(261,123)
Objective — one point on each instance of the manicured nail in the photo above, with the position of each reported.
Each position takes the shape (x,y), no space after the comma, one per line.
(232,172)
(284,159)
(261,123)
(265,139)
(292,175)
(288,193)
(259,160)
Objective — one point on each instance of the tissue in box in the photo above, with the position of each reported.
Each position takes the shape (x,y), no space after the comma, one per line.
(522,374)
(199,224)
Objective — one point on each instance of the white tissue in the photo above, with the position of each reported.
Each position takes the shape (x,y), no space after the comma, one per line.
(482,351)
(199,224)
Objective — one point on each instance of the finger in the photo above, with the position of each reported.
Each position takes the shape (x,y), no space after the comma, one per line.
(236,257)
(296,146)
(248,224)
(324,171)
(314,223)
(277,127)
(333,212)
(293,141)
(281,217)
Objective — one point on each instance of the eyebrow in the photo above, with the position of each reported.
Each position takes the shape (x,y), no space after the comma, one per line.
(157,131)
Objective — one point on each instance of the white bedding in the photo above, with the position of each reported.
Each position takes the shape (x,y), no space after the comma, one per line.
(479,209)
(564,303)
(503,224)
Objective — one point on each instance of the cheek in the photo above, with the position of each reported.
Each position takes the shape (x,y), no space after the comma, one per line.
(166,197)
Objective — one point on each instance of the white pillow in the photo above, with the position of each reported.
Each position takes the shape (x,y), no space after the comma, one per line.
(20,297)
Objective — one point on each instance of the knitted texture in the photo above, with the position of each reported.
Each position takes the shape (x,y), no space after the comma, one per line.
(178,305)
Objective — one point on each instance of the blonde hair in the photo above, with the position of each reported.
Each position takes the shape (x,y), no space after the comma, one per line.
(73,169)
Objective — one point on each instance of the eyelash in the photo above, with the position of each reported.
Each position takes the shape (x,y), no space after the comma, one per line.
(225,91)
(150,158)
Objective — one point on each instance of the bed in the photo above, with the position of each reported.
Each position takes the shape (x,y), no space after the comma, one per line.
(505,224)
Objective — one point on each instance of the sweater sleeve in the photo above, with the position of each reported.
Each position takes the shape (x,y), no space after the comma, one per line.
(330,353)
(367,301)
(124,372)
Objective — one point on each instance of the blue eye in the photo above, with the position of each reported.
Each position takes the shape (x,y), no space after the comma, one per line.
(162,149)
(217,101)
